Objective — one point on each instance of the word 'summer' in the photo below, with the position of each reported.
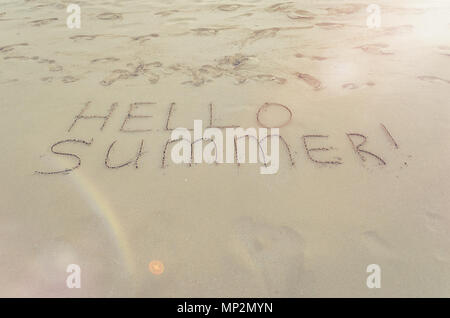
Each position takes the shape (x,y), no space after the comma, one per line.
(188,149)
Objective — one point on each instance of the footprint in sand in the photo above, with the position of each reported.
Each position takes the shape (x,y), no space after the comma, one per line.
(48,79)
(43,21)
(281,7)
(109,16)
(300,15)
(237,61)
(115,76)
(433,79)
(69,79)
(268,78)
(375,48)
(209,31)
(269,33)
(183,20)
(314,57)
(135,70)
(355,86)
(105,60)
(310,80)
(345,10)
(318,58)
(9,48)
(144,38)
(350,86)
(331,26)
(211,70)
(272,253)
(21,57)
(229,7)
(261,34)
(50,62)
(46,61)
(166,13)
(55,68)
(85,37)
(248,14)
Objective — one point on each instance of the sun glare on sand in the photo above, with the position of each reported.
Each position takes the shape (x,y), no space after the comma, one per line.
(156,267)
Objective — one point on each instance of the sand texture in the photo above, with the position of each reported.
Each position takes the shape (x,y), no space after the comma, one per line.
(372,102)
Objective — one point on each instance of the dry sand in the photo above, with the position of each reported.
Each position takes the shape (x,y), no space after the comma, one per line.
(223,230)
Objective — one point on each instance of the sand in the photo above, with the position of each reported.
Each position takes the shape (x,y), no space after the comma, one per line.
(225,230)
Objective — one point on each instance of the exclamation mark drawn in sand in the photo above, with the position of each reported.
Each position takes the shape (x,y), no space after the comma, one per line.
(389,135)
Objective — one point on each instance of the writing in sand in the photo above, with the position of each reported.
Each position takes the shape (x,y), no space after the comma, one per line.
(138,119)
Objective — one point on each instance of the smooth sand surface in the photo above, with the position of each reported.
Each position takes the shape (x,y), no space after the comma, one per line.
(225,230)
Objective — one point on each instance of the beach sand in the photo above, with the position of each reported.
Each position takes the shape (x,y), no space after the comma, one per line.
(224,230)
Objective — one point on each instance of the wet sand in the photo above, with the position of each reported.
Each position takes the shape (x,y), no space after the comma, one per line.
(375,102)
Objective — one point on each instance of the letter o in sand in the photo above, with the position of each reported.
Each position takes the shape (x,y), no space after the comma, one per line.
(156,267)
(273,111)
